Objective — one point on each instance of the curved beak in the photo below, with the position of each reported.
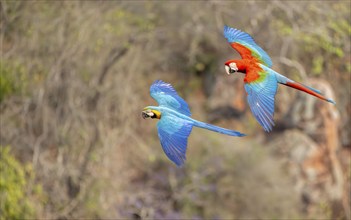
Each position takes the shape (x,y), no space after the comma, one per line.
(227,69)
(231,69)
(147,114)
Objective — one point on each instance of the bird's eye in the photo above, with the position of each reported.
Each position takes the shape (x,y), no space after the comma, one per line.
(144,115)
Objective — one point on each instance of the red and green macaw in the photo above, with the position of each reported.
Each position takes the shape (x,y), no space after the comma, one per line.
(261,81)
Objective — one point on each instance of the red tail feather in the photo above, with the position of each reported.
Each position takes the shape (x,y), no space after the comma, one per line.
(303,88)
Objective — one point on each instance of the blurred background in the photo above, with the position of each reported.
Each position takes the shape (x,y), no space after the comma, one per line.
(75,77)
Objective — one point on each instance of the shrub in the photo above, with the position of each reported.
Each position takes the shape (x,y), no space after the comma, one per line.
(15,195)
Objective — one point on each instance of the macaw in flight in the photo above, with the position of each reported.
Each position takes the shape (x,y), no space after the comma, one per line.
(261,81)
(175,122)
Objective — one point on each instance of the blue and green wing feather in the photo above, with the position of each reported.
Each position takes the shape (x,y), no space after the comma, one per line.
(237,36)
(260,96)
(173,134)
(167,96)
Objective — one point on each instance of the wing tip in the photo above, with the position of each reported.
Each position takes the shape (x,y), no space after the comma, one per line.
(180,165)
(178,160)
(228,28)
(270,128)
(159,81)
(227,31)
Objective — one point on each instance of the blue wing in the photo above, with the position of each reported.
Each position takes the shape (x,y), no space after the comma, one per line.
(173,133)
(260,96)
(244,39)
(166,96)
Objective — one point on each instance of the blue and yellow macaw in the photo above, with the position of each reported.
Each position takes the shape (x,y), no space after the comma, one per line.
(261,82)
(175,122)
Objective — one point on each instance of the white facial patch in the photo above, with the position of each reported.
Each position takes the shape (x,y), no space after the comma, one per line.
(233,66)
(227,69)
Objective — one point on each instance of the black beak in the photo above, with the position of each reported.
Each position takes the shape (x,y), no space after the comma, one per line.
(147,114)
(144,115)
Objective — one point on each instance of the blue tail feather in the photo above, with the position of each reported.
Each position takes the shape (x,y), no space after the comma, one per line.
(331,101)
(218,129)
(314,90)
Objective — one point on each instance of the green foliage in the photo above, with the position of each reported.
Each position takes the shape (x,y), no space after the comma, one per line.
(119,20)
(91,201)
(317,65)
(14,193)
(12,79)
(325,39)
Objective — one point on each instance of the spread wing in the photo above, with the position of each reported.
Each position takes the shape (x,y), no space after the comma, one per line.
(246,46)
(173,133)
(166,96)
(260,96)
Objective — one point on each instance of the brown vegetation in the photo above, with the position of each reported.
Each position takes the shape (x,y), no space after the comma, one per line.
(75,76)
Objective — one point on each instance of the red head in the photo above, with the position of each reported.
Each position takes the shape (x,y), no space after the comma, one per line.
(232,66)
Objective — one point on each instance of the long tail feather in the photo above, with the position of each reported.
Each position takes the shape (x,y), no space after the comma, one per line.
(313,89)
(288,82)
(218,129)
(308,90)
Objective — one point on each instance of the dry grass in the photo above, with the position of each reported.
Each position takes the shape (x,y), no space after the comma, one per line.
(79,74)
